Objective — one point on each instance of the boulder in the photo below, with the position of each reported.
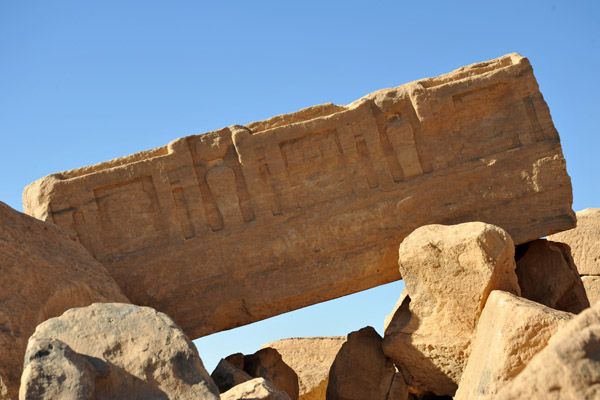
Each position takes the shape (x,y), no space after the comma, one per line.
(584,241)
(328,191)
(567,369)
(255,389)
(43,272)
(449,271)
(267,363)
(147,354)
(227,375)
(361,371)
(592,288)
(311,358)
(547,275)
(511,330)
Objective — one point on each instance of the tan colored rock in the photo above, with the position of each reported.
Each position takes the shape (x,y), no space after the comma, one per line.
(584,241)
(511,330)
(567,369)
(592,288)
(328,191)
(43,272)
(255,389)
(311,359)
(361,371)
(227,375)
(547,275)
(147,354)
(267,363)
(449,271)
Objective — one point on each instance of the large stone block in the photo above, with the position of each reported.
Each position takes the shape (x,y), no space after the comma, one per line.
(240,224)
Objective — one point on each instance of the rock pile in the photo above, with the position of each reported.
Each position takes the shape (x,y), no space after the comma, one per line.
(455,170)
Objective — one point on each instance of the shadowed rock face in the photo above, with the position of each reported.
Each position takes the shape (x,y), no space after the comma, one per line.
(312,205)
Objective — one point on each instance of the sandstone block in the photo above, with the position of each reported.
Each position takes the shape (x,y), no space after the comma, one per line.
(511,330)
(311,358)
(361,371)
(328,192)
(592,288)
(267,363)
(567,369)
(255,389)
(227,375)
(584,241)
(147,354)
(449,271)
(43,272)
(547,275)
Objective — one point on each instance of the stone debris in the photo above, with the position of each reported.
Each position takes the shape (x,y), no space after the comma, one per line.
(226,375)
(43,272)
(267,363)
(255,389)
(449,271)
(547,275)
(328,191)
(511,330)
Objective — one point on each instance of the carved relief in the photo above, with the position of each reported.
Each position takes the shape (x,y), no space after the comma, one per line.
(269,185)
(534,121)
(402,139)
(182,208)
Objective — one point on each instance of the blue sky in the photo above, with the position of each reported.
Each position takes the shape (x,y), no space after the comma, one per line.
(83,82)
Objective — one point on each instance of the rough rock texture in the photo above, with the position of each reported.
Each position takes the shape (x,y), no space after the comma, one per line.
(43,272)
(227,375)
(547,275)
(592,288)
(267,363)
(148,356)
(567,369)
(449,272)
(511,330)
(311,359)
(255,389)
(361,371)
(584,241)
(329,192)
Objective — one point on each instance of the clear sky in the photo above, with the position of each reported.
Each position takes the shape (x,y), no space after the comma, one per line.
(86,81)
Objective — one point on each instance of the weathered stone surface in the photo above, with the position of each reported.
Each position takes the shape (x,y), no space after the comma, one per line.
(311,358)
(267,363)
(567,369)
(449,271)
(511,330)
(43,272)
(584,241)
(147,355)
(255,389)
(547,275)
(592,288)
(227,375)
(361,371)
(328,191)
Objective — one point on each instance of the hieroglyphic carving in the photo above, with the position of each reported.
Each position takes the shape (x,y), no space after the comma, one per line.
(182,209)
(401,136)
(269,185)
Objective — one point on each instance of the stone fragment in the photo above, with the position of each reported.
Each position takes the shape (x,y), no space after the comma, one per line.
(567,369)
(237,360)
(547,275)
(255,389)
(311,359)
(449,272)
(592,288)
(267,363)
(361,371)
(43,272)
(511,330)
(149,357)
(328,191)
(584,241)
(227,375)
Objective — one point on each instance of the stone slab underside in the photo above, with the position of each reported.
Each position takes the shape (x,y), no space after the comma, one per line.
(233,226)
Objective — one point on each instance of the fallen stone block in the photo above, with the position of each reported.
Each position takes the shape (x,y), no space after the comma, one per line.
(139,352)
(227,375)
(547,275)
(567,369)
(43,272)
(312,204)
(255,389)
(511,330)
(268,363)
(311,358)
(449,272)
